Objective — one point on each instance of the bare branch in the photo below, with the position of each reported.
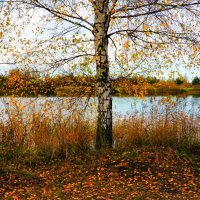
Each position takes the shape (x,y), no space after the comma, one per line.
(163,8)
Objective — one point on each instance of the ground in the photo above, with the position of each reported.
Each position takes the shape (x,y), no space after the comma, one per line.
(139,173)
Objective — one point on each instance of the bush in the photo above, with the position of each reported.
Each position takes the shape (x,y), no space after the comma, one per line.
(195,81)
(179,81)
(152,80)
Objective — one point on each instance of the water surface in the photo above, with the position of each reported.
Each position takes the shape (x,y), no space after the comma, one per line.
(122,106)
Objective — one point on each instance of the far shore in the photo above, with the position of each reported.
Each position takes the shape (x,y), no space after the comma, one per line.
(64,92)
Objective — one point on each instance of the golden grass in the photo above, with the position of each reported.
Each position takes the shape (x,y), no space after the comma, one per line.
(176,131)
(55,135)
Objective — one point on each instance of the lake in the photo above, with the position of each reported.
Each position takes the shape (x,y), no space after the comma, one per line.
(122,106)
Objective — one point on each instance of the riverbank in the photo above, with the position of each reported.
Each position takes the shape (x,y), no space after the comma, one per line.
(133,173)
(150,91)
(46,156)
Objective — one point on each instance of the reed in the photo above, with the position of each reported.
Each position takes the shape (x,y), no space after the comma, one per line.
(49,131)
(165,124)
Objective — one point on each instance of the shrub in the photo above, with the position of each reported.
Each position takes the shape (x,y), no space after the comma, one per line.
(152,80)
(179,81)
(196,80)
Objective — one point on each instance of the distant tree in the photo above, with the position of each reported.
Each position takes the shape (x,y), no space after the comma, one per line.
(2,80)
(152,80)
(196,80)
(179,81)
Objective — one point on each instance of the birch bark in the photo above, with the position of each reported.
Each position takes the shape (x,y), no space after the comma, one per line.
(104,122)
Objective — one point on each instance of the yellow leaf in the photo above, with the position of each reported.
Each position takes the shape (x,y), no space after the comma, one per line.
(126,45)
(171,180)
(171,31)
(1,35)
(146,29)
(166,25)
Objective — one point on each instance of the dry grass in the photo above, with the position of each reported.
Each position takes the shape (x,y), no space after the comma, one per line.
(176,131)
(166,124)
(56,134)
(45,131)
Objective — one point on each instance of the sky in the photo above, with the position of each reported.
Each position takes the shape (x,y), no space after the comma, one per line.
(30,33)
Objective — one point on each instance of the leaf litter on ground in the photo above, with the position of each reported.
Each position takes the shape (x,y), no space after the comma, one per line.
(143,173)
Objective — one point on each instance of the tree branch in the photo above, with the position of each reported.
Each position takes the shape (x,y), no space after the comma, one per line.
(164,7)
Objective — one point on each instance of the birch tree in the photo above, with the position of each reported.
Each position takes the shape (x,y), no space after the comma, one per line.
(101,37)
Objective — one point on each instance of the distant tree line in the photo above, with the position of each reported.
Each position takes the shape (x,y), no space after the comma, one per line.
(26,83)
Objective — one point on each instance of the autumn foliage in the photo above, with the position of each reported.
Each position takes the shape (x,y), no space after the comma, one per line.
(25,83)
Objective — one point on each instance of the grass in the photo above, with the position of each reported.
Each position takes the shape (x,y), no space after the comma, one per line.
(49,131)
(191,91)
(51,156)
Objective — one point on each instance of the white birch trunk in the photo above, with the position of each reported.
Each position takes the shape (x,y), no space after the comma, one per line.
(104,123)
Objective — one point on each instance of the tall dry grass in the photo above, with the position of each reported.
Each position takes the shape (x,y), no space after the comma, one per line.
(168,122)
(49,131)
(45,131)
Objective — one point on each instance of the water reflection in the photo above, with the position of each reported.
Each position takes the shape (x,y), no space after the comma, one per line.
(121,106)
